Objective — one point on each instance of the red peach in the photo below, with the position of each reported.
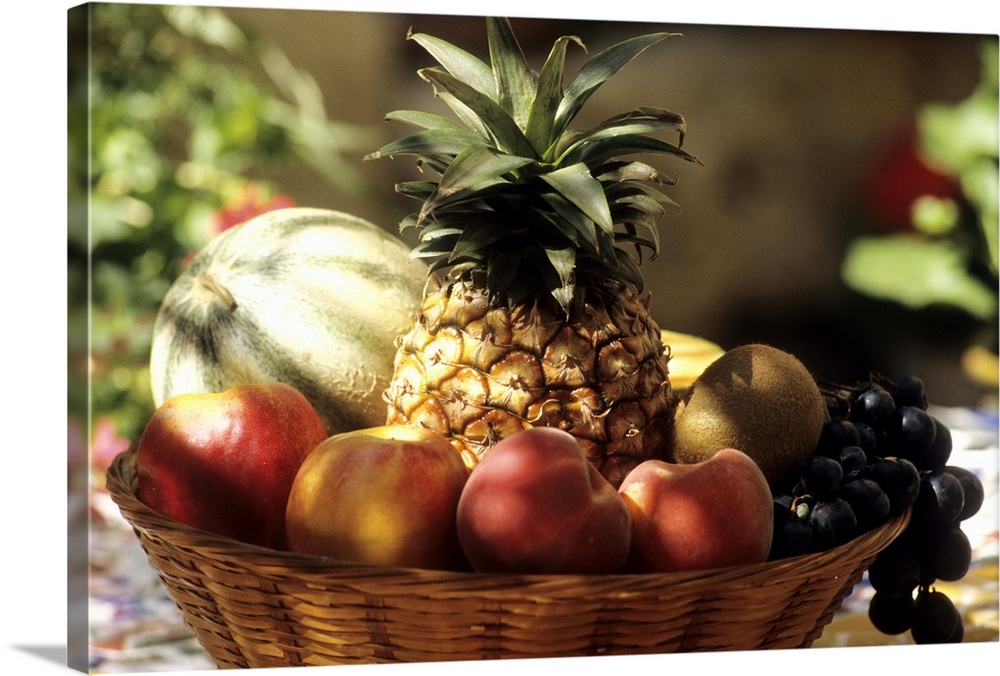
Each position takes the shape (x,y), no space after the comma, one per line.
(535,504)
(224,462)
(698,516)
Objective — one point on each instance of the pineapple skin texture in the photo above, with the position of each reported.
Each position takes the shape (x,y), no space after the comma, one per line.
(477,373)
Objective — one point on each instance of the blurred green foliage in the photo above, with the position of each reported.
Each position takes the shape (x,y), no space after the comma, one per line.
(949,257)
(178,122)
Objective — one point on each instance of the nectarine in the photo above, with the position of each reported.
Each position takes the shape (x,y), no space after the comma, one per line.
(383,496)
(224,462)
(535,504)
(698,516)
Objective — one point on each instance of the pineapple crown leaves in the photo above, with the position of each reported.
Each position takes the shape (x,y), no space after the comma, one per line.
(541,208)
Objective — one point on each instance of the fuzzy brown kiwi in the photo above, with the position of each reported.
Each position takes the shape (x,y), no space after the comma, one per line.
(757,399)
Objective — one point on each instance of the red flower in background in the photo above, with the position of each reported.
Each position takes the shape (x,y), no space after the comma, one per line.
(106,444)
(252,203)
(901,175)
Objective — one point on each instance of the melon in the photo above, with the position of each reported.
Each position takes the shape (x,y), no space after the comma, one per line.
(310,297)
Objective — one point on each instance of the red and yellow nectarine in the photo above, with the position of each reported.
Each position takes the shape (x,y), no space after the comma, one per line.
(224,462)
(383,496)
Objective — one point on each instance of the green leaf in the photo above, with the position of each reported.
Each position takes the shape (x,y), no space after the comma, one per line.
(427,142)
(501,271)
(420,190)
(639,122)
(500,124)
(458,62)
(633,219)
(572,222)
(424,120)
(584,191)
(935,216)
(479,234)
(598,70)
(636,200)
(604,149)
(916,273)
(475,164)
(475,170)
(622,172)
(514,79)
(548,94)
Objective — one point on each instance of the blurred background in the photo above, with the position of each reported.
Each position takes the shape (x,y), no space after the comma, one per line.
(846,210)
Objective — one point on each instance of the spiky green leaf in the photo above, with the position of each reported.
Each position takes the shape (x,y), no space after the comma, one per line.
(619,172)
(419,190)
(572,222)
(481,231)
(427,142)
(604,149)
(598,70)
(501,125)
(548,94)
(514,80)
(575,183)
(635,123)
(475,164)
(460,63)
(424,120)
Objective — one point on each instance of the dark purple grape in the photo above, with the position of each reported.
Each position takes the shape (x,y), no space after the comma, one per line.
(895,571)
(783,501)
(874,407)
(900,480)
(833,522)
(972,488)
(936,454)
(891,614)
(853,461)
(945,555)
(867,439)
(935,618)
(913,433)
(791,536)
(940,500)
(958,634)
(821,476)
(836,434)
(909,391)
(869,502)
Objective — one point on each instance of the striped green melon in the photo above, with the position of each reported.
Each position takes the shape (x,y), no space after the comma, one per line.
(310,297)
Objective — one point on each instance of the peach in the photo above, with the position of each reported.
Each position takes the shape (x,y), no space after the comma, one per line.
(383,496)
(698,516)
(535,504)
(224,462)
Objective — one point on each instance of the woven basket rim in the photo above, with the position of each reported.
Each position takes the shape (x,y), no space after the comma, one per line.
(121,484)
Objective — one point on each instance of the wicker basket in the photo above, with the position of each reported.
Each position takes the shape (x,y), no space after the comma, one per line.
(255,607)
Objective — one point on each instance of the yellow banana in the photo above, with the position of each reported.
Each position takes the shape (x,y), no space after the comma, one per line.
(689,356)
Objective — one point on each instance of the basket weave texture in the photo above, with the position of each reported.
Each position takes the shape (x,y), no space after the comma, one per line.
(254,607)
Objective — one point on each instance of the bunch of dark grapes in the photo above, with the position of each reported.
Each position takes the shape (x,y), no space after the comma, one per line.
(880,453)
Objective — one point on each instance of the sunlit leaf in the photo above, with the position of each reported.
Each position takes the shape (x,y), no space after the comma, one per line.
(917,273)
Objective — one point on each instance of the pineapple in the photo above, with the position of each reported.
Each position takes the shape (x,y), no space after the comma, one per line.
(534,312)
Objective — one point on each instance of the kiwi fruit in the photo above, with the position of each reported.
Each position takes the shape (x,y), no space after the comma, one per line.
(755,398)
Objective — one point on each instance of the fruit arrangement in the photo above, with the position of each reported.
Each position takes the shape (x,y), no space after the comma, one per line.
(528,422)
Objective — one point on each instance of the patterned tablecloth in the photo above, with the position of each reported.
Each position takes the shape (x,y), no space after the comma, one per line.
(135,627)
